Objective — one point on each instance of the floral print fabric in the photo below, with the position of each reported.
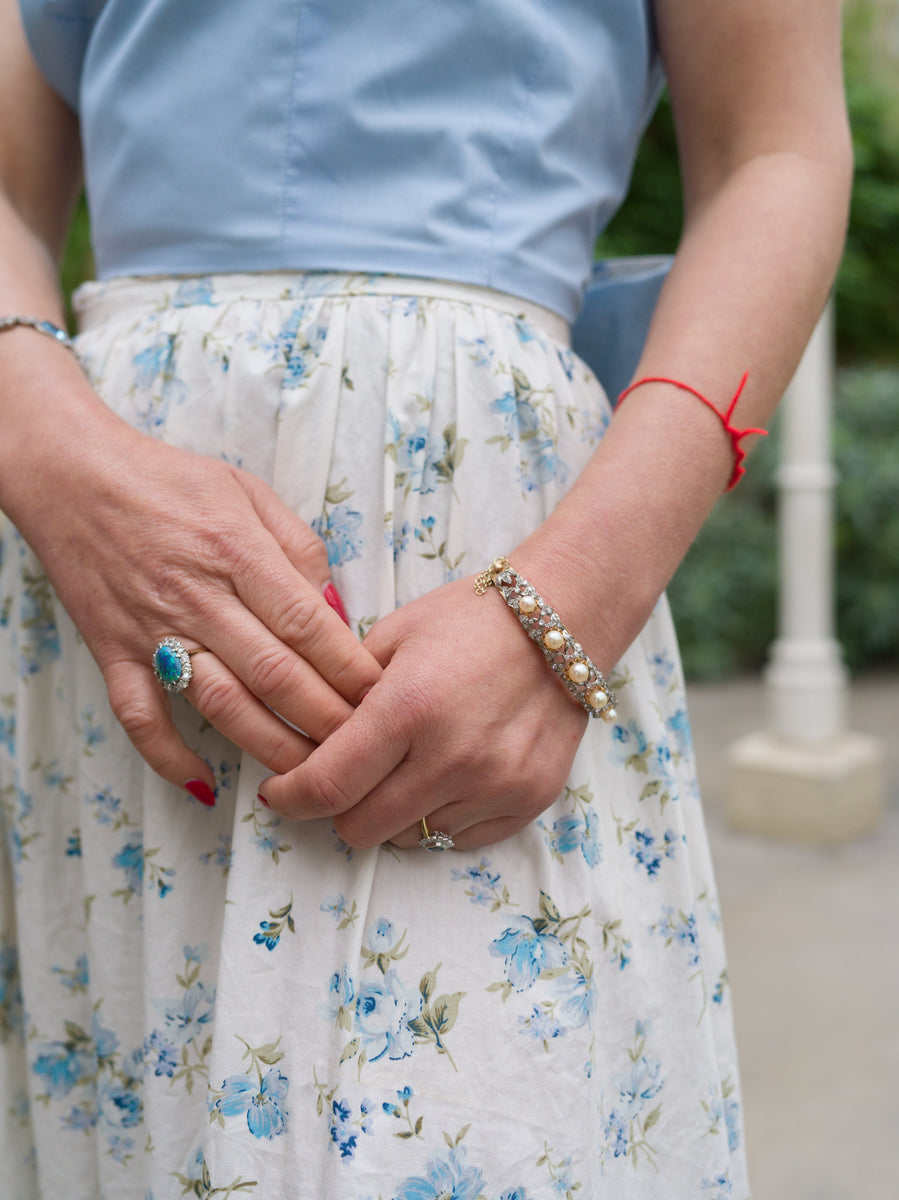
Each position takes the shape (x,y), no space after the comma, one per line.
(218,1002)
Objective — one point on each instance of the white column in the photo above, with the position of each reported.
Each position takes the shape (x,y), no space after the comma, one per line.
(806,776)
(806,680)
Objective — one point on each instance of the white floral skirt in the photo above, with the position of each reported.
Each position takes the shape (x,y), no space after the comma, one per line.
(217,1002)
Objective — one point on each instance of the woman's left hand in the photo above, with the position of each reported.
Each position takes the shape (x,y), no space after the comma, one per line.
(467,727)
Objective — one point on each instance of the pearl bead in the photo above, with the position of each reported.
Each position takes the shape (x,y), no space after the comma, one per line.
(597,698)
(611,714)
(578,672)
(554,639)
(526,604)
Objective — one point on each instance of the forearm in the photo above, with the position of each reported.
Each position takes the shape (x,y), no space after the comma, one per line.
(749,281)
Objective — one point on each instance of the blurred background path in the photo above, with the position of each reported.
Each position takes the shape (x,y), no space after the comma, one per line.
(814,962)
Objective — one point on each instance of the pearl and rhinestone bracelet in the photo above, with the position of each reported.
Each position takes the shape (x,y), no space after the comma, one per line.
(544,626)
(47,327)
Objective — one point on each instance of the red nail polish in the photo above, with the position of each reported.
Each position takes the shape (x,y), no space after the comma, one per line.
(332,597)
(200,791)
(262,800)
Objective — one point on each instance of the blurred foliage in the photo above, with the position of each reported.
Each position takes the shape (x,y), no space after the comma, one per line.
(724,595)
(78,260)
(868,282)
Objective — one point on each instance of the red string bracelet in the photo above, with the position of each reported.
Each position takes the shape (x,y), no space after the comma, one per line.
(734,434)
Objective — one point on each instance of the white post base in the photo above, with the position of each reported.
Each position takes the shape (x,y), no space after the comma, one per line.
(816,792)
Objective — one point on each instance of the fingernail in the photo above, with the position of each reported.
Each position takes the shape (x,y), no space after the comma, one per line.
(262,799)
(332,597)
(200,791)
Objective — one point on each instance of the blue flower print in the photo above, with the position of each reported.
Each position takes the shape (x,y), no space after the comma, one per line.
(484,883)
(678,725)
(63,1068)
(73,844)
(527,952)
(11,1011)
(649,853)
(106,807)
(269,934)
(338,529)
(723,1109)
(80,1118)
(447,1178)
(343,1131)
(342,1134)
(574,833)
(189,1015)
(155,362)
(165,1053)
(8,733)
(518,1193)
(615,1132)
(105,1041)
(662,668)
(121,1148)
(629,747)
(577,993)
(384,1009)
(639,1085)
(380,936)
(193,291)
(404,1095)
(341,991)
(119,1107)
(721,1186)
(398,539)
(131,860)
(541,1025)
(263,1102)
(681,928)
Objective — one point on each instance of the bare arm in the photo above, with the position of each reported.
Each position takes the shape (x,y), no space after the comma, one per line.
(185,545)
(757,96)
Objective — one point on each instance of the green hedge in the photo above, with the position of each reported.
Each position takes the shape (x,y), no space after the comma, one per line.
(868,282)
(724,596)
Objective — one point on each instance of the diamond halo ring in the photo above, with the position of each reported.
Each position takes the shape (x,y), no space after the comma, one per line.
(433,839)
(171,664)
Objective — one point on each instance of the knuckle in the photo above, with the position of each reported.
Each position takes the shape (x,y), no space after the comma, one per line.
(138,719)
(324,797)
(301,622)
(217,698)
(271,671)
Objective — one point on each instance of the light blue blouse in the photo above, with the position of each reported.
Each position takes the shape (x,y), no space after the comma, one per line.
(484,141)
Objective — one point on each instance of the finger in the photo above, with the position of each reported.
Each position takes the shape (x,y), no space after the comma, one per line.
(272,671)
(346,767)
(235,712)
(474,837)
(304,549)
(297,614)
(302,546)
(144,712)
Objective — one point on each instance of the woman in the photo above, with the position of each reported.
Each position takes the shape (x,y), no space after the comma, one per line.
(276,991)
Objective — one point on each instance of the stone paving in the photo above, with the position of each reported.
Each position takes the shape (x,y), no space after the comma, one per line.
(814,962)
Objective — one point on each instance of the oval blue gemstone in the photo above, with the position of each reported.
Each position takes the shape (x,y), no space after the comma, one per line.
(168,664)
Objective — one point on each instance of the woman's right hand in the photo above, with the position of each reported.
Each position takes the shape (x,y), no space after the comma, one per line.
(141,541)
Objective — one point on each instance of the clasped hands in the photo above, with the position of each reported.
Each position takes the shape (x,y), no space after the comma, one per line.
(444,711)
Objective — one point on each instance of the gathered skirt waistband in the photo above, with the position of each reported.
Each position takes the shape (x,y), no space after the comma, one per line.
(98,302)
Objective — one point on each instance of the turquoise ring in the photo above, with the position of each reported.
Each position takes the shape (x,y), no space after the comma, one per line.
(171,664)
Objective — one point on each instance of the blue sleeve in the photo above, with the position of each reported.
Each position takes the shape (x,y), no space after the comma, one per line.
(58,32)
